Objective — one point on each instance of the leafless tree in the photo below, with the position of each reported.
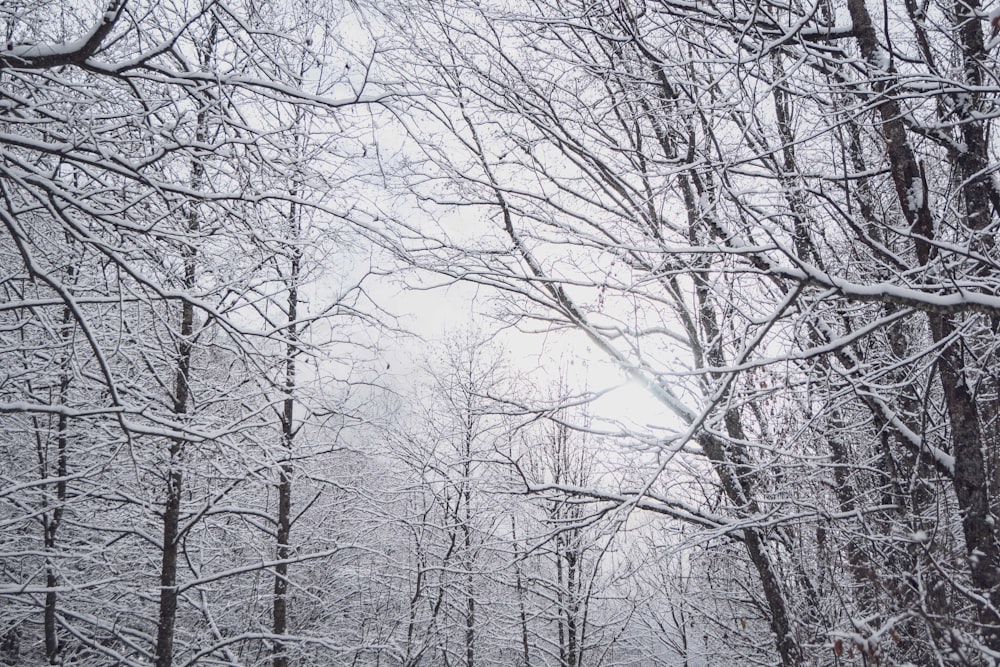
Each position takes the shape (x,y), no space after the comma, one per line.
(780,219)
(145,165)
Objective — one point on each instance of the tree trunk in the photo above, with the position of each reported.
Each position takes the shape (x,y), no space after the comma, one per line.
(970,478)
(284,519)
(175,479)
(52,521)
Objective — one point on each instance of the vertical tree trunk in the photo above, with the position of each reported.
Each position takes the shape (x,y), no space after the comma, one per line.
(284,525)
(561,600)
(175,481)
(519,588)
(167,617)
(466,523)
(52,521)
(573,609)
(971,483)
(51,527)
(470,596)
(168,567)
(970,479)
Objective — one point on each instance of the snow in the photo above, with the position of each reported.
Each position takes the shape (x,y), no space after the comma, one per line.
(915,195)
(37,51)
(937,298)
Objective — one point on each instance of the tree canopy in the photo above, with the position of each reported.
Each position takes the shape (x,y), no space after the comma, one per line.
(778,219)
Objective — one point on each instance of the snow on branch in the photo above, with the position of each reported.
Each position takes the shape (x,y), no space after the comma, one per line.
(75,52)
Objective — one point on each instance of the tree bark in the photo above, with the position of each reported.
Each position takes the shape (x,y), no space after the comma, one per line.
(970,479)
(167,617)
(284,519)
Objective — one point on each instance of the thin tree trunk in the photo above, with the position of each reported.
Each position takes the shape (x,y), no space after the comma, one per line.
(53,520)
(167,618)
(51,527)
(168,568)
(519,584)
(573,601)
(470,598)
(280,607)
(175,482)
(466,499)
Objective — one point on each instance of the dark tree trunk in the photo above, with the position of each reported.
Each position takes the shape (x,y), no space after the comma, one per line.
(167,617)
(284,519)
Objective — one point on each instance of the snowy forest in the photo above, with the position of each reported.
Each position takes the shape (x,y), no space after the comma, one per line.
(506,333)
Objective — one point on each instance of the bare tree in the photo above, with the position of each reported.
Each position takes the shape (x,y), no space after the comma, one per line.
(143,145)
(759,204)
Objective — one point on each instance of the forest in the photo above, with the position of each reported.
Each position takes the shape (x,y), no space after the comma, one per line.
(520,333)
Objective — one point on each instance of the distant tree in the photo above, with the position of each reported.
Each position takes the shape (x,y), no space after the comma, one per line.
(448,445)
